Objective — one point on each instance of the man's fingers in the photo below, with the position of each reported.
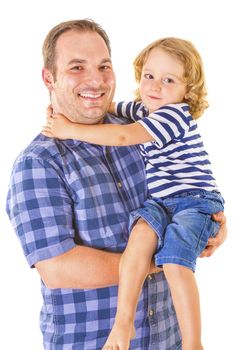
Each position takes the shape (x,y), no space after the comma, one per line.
(220,217)
(49,111)
(208,251)
(46,131)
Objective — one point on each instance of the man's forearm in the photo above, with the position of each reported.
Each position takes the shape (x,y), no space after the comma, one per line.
(81,267)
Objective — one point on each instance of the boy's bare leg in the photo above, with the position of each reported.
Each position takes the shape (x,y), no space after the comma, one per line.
(185,297)
(134,267)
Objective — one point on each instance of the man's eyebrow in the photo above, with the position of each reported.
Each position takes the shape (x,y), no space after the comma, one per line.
(82,61)
(76,60)
(106,60)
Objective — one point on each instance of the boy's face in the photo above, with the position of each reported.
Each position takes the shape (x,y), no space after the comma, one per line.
(85,82)
(162,80)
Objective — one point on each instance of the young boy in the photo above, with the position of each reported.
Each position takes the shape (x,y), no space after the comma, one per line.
(175,222)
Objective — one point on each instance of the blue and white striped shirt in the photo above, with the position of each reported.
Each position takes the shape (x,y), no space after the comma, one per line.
(176,161)
(64,193)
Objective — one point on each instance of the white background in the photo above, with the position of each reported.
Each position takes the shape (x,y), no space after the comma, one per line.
(131,25)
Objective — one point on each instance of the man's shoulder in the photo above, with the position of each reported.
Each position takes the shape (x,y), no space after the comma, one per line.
(41,148)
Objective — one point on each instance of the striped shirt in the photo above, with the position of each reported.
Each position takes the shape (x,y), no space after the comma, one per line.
(176,161)
(64,193)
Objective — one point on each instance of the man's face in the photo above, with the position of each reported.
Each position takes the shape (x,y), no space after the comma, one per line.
(84,85)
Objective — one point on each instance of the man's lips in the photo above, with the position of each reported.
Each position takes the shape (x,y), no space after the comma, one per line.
(92,96)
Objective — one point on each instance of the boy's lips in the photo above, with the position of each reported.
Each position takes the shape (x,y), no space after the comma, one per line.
(154,97)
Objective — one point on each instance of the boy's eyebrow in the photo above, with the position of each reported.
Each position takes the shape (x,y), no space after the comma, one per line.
(176,76)
(166,73)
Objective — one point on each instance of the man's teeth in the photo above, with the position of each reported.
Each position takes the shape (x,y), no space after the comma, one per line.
(90,95)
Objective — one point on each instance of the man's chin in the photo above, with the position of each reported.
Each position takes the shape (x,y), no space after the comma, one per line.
(92,119)
(94,116)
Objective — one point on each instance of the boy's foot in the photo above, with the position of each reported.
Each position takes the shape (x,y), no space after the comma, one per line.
(119,337)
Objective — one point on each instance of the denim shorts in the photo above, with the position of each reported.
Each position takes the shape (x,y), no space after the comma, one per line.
(182,223)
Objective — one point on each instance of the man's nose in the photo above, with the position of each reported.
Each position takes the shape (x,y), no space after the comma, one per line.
(95,77)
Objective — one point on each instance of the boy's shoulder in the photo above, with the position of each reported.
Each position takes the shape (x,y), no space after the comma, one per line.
(182,107)
(175,110)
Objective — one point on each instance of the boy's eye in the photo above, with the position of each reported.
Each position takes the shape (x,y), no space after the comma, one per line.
(167,80)
(148,76)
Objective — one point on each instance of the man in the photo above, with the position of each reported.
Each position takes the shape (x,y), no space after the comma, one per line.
(69,204)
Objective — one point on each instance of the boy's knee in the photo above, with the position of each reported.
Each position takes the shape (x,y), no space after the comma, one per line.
(175,269)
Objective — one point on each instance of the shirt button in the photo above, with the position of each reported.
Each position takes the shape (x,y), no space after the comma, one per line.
(119,184)
(151,312)
(150,277)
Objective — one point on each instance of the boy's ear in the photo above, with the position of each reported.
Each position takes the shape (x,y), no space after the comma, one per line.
(47,78)
(188,96)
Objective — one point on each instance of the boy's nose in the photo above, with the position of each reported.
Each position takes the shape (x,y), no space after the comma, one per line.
(157,85)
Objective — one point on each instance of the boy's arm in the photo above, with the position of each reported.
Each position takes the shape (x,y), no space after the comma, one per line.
(100,134)
(159,126)
(112,108)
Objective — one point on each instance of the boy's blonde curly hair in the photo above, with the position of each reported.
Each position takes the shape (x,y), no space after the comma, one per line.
(194,77)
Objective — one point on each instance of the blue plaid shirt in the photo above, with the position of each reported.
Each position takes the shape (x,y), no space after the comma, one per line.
(64,193)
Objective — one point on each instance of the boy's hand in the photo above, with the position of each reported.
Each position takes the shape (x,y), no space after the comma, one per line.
(57,126)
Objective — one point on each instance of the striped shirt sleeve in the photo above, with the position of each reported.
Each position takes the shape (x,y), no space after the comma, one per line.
(131,110)
(168,123)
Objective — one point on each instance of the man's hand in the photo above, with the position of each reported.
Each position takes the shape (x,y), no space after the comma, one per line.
(214,243)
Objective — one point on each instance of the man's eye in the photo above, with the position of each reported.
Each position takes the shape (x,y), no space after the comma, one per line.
(148,76)
(105,67)
(77,68)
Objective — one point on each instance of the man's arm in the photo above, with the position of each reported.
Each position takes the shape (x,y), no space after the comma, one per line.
(87,268)
(40,209)
(81,267)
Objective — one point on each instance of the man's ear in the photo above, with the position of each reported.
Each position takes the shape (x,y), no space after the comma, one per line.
(47,78)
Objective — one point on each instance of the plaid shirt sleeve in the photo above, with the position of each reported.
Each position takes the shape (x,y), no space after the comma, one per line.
(40,209)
